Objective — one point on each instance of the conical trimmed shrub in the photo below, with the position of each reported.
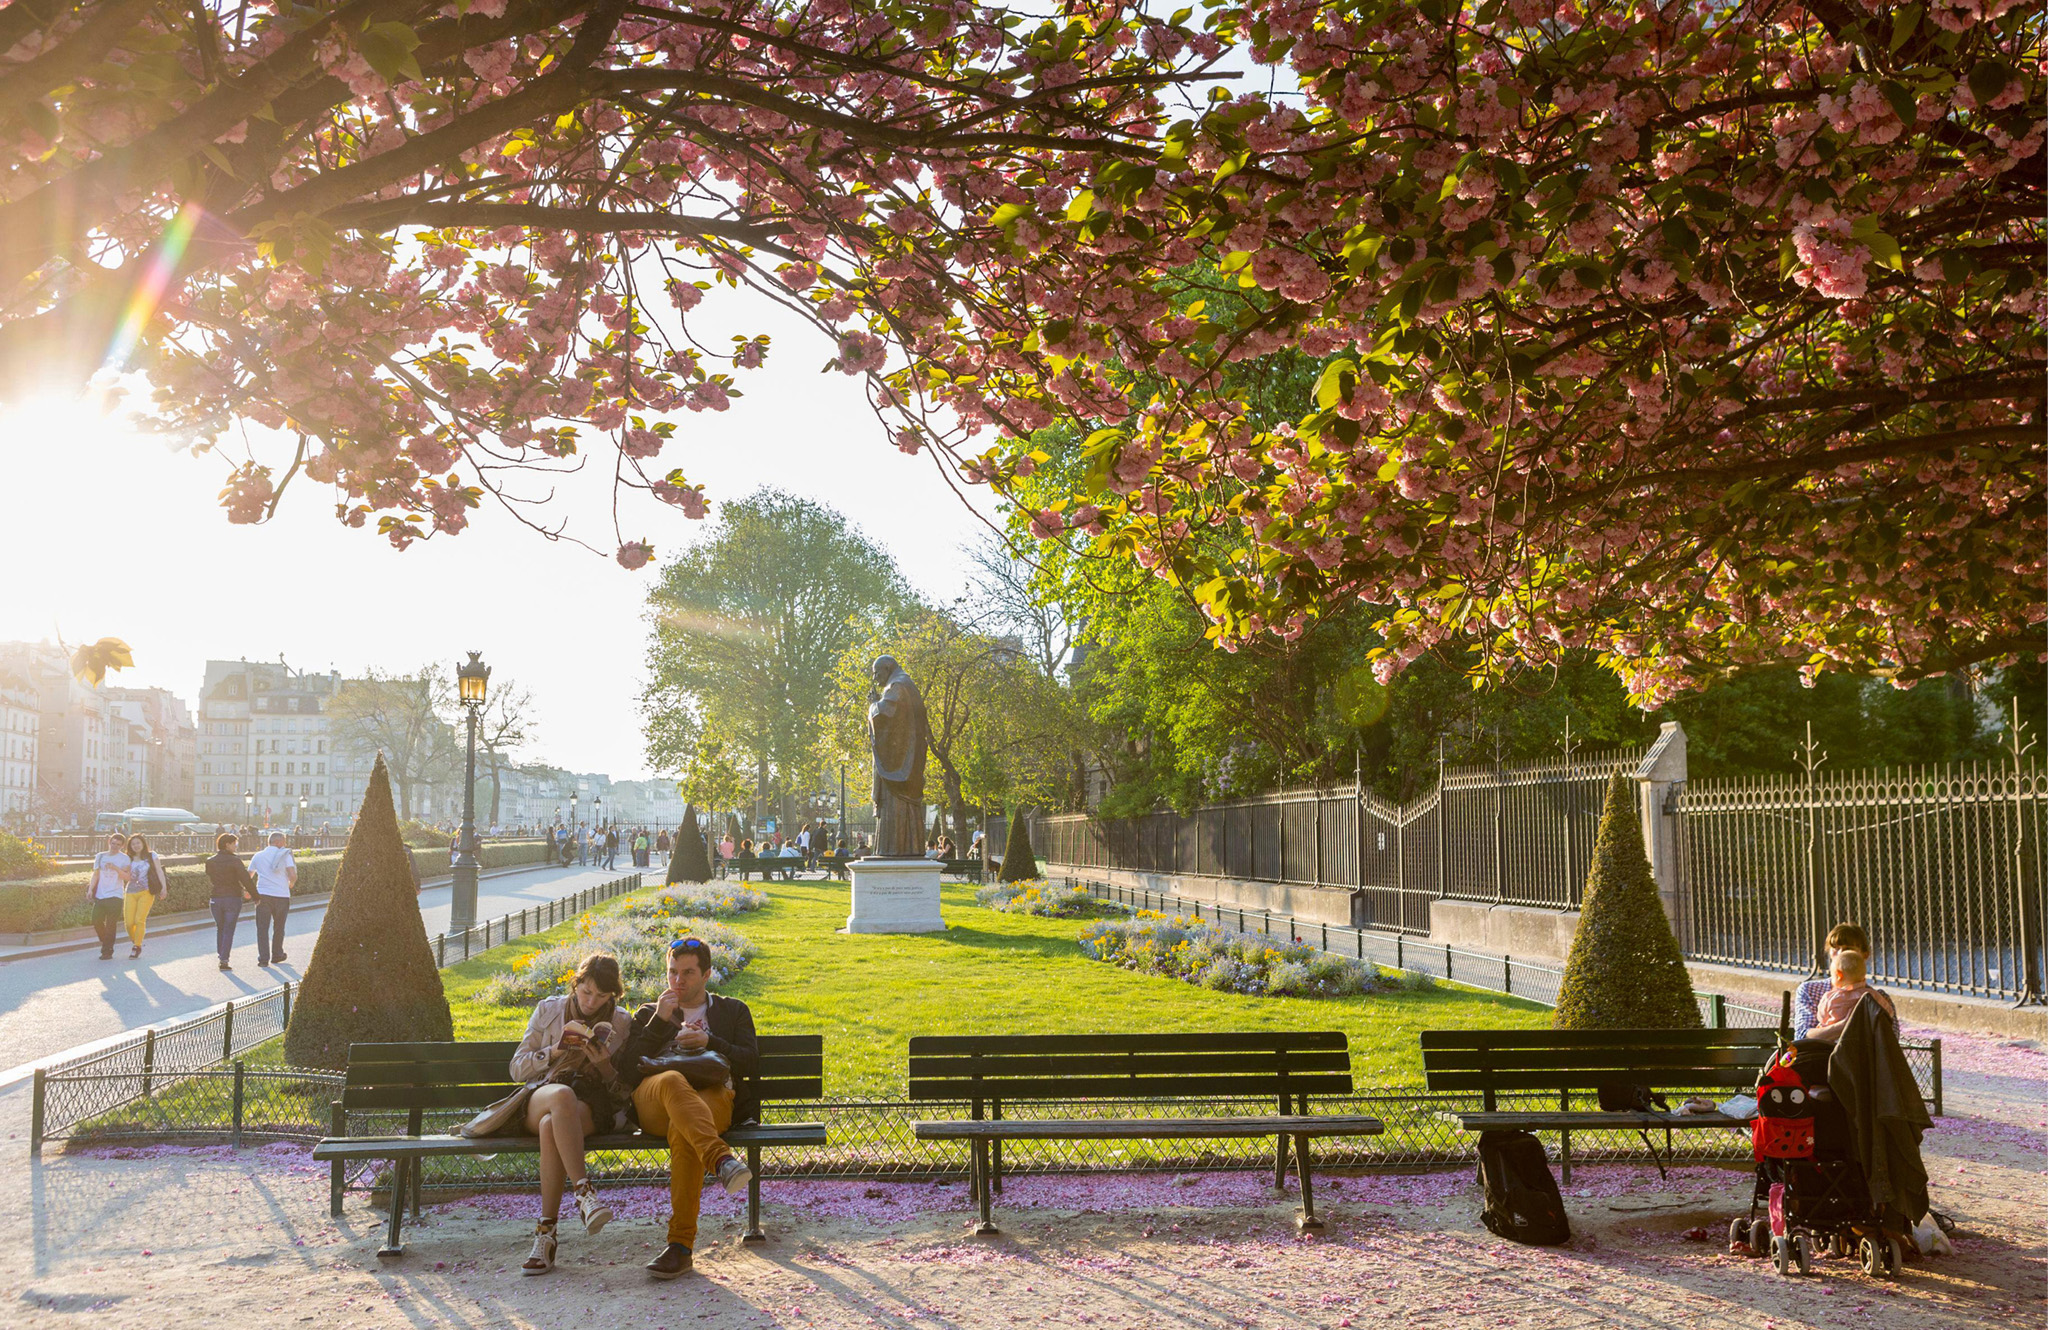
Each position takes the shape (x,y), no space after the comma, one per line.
(372,977)
(1019,863)
(689,861)
(1625,971)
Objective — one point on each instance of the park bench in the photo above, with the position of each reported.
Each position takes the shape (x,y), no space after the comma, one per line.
(1579,1062)
(762,865)
(988,1072)
(417,1079)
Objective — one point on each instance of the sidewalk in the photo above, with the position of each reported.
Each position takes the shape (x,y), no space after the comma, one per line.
(162,925)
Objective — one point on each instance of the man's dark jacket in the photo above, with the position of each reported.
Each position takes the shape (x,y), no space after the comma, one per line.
(731,1027)
(1869,1075)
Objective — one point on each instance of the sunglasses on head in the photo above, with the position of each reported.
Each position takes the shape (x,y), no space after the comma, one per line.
(694,946)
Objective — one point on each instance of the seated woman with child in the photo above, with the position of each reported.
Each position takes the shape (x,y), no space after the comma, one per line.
(1823,1006)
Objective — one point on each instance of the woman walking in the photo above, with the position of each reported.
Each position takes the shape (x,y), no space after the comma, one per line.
(109,891)
(230,885)
(146,886)
(572,1043)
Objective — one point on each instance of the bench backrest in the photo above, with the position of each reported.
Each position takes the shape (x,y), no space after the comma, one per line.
(1493,1061)
(984,1069)
(433,1076)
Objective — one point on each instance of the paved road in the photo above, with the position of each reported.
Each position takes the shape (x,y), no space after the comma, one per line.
(51,1003)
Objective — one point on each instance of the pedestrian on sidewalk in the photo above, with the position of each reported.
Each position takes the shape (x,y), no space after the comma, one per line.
(146,886)
(231,885)
(276,873)
(109,891)
(611,846)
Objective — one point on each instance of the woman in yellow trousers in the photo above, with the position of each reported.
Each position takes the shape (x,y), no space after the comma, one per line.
(144,887)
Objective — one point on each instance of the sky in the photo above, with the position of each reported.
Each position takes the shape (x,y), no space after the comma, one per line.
(107,533)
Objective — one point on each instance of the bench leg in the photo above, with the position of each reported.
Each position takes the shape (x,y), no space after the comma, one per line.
(1280,1151)
(419,1173)
(337,1122)
(978,1164)
(1564,1155)
(1308,1221)
(401,1171)
(754,1233)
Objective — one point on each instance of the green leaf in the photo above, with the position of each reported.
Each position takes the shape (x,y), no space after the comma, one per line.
(1988,78)
(1886,251)
(1788,258)
(1083,204)
(1904,24)
(1902,101)
(1411,301)
(1008,213)
(1335,383)
(388,48)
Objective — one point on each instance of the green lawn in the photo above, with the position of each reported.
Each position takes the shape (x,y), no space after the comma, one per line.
(996,973)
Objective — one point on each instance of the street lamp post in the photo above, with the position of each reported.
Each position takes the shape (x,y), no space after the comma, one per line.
(248,807)
(471,680)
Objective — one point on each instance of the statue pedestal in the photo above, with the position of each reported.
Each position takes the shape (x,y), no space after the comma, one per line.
(895,896)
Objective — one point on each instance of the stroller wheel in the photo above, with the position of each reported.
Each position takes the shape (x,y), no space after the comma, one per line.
(1837,1245)
(1802,1251)
(1738,1238)
(1781,1255)
(1870,1256)
(1894,1257)
(1760,1236)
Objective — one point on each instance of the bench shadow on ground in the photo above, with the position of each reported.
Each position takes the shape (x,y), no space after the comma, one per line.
(1011,943)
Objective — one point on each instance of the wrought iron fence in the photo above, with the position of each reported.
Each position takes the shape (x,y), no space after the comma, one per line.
(162,1058)
(1943,866)
(1519,834)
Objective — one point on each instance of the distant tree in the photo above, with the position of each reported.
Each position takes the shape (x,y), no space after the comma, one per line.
(371,978)
(1625,971)
(748,626)
(401,717)
(505,726)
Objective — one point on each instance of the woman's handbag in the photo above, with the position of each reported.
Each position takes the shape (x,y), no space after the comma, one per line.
(493,1119)
(703,1069)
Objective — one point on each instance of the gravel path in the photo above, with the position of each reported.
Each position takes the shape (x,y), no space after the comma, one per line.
(197,1237)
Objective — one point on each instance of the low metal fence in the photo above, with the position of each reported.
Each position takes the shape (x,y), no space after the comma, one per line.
(155,1060)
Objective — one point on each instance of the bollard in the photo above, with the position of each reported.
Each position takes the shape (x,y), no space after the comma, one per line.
(465,942)
(238,1102)
(441,950)
(148,1058)
(1934,1067)
(1717,1006)
(1399,964)
(1326,937)
(227,1032)
(1507,975)
(1447,960)
(35,1115)
(286,1018)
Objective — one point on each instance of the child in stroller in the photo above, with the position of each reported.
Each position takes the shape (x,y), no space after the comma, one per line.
(1808,1182)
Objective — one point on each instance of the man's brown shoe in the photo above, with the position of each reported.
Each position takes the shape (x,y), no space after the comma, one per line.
(673,1261)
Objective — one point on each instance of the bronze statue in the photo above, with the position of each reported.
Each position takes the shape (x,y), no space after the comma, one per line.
(898,733)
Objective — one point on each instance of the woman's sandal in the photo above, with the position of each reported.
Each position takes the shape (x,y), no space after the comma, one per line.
(543,1258)
(594,1213)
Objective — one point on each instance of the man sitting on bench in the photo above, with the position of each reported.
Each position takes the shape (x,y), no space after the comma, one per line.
(687,1019)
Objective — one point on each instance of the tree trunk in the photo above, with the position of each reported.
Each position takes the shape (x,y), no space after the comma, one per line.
(497,786)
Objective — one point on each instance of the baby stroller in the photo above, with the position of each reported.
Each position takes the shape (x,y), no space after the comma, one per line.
(1809,1185)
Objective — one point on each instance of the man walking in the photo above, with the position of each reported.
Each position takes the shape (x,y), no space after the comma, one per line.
(688,1019)
(276,874)
(611,846)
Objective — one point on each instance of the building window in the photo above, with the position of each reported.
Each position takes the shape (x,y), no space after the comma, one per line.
(206,767)
(320,788)
(323,768)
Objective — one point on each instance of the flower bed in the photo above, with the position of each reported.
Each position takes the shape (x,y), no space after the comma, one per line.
(710,900)
(1037,896)
(639,941)
(1198,952)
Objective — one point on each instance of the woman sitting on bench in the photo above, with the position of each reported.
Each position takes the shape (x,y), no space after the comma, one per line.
(572,1043)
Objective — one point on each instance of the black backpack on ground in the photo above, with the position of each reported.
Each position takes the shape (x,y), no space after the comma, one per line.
(1522,1201)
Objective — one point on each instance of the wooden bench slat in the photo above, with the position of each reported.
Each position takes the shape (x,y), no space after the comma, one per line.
(394,1147)
(924,1067)
(1595,1121)
(1568,1079)
(1537,1059)
(1116,1129)
(1226,1041)
(1732,1037)
(1130,1087)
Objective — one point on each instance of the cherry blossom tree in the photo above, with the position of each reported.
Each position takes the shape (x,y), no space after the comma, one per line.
(1697,334)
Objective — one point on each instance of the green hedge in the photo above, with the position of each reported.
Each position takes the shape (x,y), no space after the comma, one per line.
(59,900)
